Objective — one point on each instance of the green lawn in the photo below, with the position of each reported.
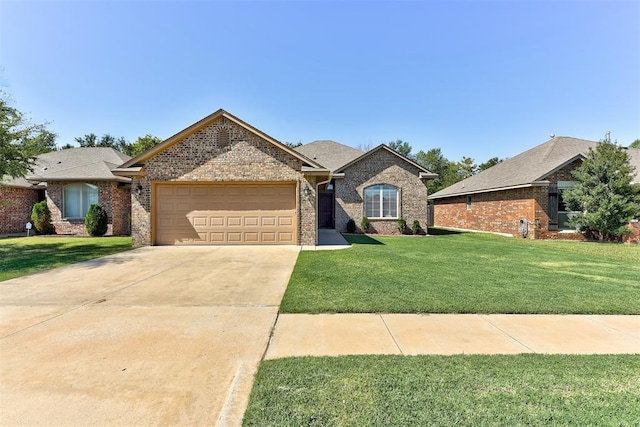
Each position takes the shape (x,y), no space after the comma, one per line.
(447,390)
(26,255)
(466,273)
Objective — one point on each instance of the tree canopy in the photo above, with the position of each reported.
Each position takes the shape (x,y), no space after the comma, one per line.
(402,147)
(132,149)
(20,141)
(603,196)
(635,144)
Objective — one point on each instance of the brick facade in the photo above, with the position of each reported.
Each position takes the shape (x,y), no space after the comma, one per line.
(113,197)
(381,167)
(233,155)
(16,204)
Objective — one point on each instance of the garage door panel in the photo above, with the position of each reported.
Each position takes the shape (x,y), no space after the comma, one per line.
(225,214)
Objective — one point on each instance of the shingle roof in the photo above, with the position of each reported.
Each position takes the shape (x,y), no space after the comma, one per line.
(330,154)
(74,164)
(528,167)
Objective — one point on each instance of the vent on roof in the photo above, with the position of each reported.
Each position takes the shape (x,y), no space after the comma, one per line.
(223,137)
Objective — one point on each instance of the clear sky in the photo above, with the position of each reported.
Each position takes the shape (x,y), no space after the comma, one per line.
(475,78)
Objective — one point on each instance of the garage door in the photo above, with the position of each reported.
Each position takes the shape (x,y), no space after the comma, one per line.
(225,214)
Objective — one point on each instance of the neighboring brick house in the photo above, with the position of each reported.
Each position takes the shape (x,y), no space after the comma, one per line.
(521,196)
(70,180)
(222,181)
(380,184)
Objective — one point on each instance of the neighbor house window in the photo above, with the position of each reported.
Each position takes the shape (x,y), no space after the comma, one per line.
(559,213)
(381,201)
(468,203)
(78,198)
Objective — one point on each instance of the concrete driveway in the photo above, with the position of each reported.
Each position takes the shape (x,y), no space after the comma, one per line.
(154,336)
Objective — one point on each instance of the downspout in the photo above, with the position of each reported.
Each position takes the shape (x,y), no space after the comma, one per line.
(316,202)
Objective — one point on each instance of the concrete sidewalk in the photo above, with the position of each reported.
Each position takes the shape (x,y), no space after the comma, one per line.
(413,334)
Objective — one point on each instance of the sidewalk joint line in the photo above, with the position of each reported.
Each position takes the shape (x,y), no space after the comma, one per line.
(594,318)
(486,318)
(392,337)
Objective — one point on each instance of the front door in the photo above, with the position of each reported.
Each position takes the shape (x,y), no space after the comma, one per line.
(325,209)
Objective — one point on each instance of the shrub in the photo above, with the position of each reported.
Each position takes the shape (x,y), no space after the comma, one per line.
(96,221)
(41,218)
(415,227)
(351,226)
(402,225)
(364,224)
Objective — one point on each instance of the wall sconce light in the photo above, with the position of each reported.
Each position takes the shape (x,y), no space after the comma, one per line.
(139,189)
(306,191)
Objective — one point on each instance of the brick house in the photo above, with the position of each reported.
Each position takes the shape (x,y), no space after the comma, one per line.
(70,181)
(222,181)
(521,196)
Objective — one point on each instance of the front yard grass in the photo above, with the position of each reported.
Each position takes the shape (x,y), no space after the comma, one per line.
(26,255)
(447,390)
(466,273)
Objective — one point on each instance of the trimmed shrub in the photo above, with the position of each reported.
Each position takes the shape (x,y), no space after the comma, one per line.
(364,224)
(402,225)
(415,227)
(41,218)
(351,226)
(96,221)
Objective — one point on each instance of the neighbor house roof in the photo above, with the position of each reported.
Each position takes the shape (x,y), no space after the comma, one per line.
(330,154)
(527,169)
(73,164)
(134,164)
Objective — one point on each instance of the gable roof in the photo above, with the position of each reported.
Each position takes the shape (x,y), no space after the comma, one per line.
(73,164)
(172,140)
(423,172)
(526,169)
(330,154)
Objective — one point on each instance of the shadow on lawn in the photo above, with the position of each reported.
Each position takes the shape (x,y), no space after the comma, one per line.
(361,239)
(442,231)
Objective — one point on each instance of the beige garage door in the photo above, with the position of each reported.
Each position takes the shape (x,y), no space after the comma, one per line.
(225,214)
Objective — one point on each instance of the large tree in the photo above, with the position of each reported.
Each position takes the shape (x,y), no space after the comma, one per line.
(434,161)
(635,144)
(603,196)
(20,141)
(402,147)
(143,143)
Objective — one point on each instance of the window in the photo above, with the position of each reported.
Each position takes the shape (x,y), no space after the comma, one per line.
(78,198)
(381,201)
(468,203)
(559,213)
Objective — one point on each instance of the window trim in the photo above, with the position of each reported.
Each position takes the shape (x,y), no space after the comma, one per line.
(83,193)
(381,190)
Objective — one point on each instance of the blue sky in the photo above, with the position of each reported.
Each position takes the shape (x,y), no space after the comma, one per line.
(475,78)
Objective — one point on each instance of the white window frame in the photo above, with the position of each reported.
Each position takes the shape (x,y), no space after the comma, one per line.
(84,193)
(381,189)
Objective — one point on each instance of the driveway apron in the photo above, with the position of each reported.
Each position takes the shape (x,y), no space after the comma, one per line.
(153,336)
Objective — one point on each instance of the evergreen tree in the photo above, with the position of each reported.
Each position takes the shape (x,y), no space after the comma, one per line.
(604,196)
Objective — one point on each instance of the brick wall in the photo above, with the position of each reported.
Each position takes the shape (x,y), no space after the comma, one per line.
(240,156)
(15,208)
(114,198)
(501,211)
(381,167)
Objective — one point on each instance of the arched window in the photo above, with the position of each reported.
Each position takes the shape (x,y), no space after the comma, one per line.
(381,201)
(77,199)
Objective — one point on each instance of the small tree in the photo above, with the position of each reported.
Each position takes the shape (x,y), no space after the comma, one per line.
(604,196)
(41,217)
(351,226)
(402,225)
(364,224)
(415,227)
(96,221)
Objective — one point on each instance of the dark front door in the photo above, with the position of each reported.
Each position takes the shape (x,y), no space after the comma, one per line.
(325,209)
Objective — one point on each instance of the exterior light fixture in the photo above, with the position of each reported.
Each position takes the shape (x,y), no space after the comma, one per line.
(139,189)
(306,191)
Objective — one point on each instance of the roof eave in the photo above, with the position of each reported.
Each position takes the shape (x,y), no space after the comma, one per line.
(489,190)
(129,172)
